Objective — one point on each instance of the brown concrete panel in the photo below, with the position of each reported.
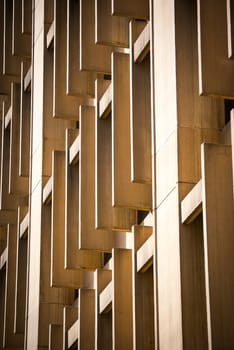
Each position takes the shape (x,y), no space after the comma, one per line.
(86,316)
(4,80)
(55,337)
(133,9)
(21,43)
(59,276)
(75,258)
(64,106)
(50,294)
(78,83)
(26,27)
(212,50)
(89,237)
(140,112)
(110,30)
(124,192)
(93,57)
(48,314)
(107,217)
(218,227)
(122,323)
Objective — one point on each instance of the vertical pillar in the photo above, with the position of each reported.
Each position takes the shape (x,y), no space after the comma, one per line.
(181,125)
(36,176)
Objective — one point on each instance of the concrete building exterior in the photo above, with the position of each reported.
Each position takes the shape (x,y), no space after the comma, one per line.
(117,175)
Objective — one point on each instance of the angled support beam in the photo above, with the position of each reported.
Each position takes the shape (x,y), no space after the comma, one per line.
(74,150)
(145,255)
(105,299)
(3,259)
(105,103)
(50,36)
(191,205)
(141,47)
(73,334)
(47,192)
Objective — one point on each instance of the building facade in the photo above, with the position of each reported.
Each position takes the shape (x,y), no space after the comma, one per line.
(116,179)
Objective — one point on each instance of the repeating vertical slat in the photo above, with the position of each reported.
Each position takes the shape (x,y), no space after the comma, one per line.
(59,276)
(133,9)
(89,237)
(140,115)
(74,257)
(124,192)
(110,30)
(212,50)
(9,338)
(94,57)
(218,228)
(21,43)
(63,106)
(107,216)
(78,83)
(122,323)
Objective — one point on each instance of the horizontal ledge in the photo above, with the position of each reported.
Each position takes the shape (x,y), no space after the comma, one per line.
(24,225)
(27,79)
(74,151)
(191,205)
(142,45)
(50,36)
(105,299)
(72,334)
(145,255)
(47,191)
(3,258)
(8,117)
(105,103)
